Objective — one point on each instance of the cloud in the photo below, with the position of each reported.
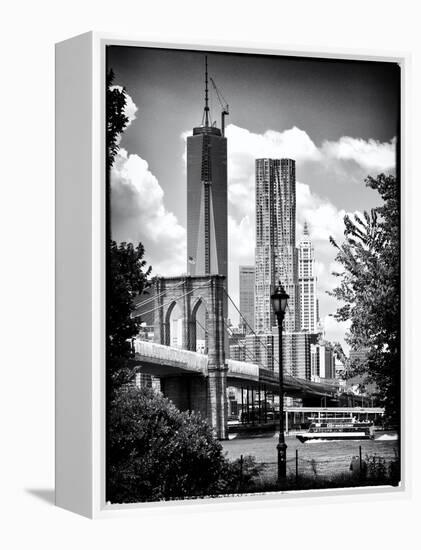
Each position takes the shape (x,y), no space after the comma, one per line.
(335,331)
(245,146)
(130,108)
(371,155)
(139,214)
(322,217)
(241,243)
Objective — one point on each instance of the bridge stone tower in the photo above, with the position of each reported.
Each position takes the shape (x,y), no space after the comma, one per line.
(206,395)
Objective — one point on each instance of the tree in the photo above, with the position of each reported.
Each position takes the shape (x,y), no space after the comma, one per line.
(116,122)
(369,289)
(159,452)
(125,265)
(116,118)
(127,277)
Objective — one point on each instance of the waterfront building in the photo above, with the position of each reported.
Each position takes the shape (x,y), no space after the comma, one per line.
(296,358)
(176,333)
(263,349)
(247,281)
(143,380)
(314,361)
(276,255)
(322,360)
(238,351)
(339,367)
(259,349)
(327,360)
(309,315)
(201,346)
(146,332)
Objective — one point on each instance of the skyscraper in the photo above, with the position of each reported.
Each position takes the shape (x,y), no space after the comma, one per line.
(296,357)
(276,252)
(322,360)
(247,297)
(307,283)
(207,240)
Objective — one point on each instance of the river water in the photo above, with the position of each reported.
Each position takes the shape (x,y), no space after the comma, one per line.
(320,457)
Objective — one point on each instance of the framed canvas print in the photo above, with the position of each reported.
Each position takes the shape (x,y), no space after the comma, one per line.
(228,273)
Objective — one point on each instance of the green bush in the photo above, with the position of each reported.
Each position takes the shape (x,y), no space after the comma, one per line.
(239,475)
(157,452)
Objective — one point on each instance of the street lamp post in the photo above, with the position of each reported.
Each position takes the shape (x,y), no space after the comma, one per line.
(279,303)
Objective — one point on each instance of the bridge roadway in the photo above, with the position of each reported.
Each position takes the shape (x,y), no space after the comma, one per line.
(165,361)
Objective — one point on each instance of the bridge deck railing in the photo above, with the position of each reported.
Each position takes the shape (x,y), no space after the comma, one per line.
(243,369)
(194,361)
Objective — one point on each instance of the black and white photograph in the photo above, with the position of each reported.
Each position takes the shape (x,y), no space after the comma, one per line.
(253,260)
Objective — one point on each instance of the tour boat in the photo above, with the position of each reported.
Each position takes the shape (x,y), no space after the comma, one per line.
(337,429)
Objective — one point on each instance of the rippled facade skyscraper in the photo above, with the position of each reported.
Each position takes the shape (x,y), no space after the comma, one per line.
(276,256)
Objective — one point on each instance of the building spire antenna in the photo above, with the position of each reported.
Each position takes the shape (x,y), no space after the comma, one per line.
(206,93)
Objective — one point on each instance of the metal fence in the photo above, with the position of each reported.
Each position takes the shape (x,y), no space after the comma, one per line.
(352,465)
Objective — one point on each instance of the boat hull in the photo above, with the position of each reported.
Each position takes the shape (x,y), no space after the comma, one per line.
(333,437)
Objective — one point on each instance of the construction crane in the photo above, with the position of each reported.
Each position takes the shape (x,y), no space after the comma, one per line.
(224,105)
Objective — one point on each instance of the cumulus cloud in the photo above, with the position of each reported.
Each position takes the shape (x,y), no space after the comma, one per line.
(245,146)
(139,214)
(323,218)
(130,108)
(371,155)
(241,243)
(335,331)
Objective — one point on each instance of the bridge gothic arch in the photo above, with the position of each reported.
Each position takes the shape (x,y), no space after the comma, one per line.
(198,323)
(190,293)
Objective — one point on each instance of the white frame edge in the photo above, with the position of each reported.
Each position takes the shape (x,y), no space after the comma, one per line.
(80,276)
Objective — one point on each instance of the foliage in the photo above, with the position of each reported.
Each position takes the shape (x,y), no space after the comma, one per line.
(116,117)
(127,277)
(369,289)
(158,452)
(239,475)
(375,467)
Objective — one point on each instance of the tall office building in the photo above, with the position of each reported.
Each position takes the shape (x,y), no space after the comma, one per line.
(322,360)
(247,298)
(307,283)
(276,255)
(259,349)
(263,349)
(207,237)
(296,357)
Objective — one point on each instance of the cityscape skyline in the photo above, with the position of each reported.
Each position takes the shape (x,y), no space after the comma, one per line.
(336,129)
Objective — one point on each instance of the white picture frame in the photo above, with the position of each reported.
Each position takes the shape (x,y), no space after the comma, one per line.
(80,272)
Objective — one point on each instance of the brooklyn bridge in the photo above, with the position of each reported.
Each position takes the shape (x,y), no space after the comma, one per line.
(199,382)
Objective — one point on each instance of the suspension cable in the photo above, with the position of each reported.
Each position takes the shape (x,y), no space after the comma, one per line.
(155,296)
(176,299)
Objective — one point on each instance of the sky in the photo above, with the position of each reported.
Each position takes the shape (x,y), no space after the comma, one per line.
(338,119)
